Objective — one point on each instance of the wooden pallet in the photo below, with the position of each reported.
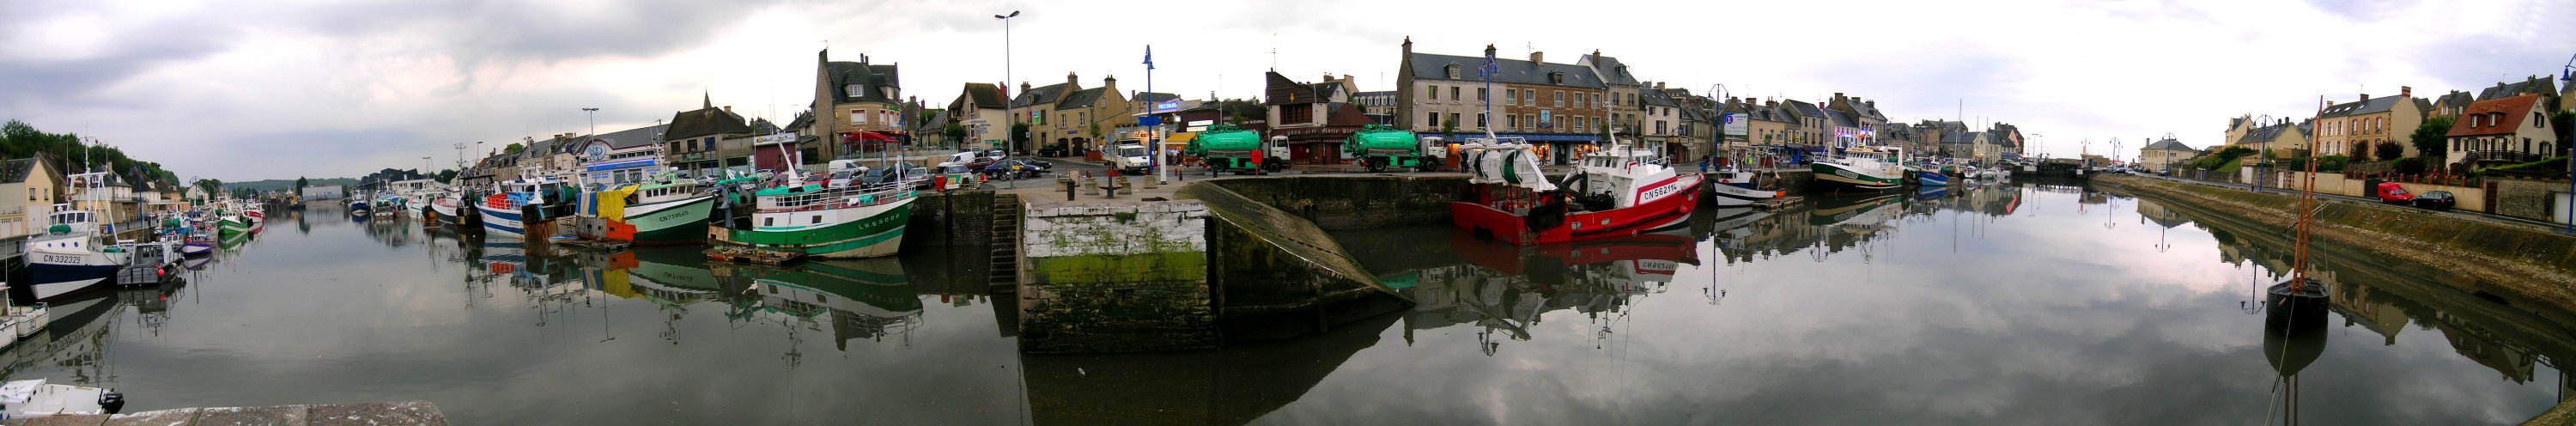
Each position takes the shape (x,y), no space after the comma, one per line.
(739,254)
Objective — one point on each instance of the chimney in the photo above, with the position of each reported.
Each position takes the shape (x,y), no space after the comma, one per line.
(728,109)
(1839,99)
(1538,57)
(1070,78)
(1659,85)
(1408,47)
(2405,91)
(2365,97)
(1346,77)
(1111,82)
(1024,86)
(1328,77)
(863,59)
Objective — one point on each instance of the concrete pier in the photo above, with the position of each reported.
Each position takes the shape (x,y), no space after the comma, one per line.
(374,413)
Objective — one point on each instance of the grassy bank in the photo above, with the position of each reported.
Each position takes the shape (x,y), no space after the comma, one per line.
(2530,264)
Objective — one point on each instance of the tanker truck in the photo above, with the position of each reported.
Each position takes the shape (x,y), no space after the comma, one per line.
(1378,147)
(1225,148)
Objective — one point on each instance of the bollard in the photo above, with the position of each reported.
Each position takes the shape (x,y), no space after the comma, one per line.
(1090,184)
(1149,182)
(1067,181)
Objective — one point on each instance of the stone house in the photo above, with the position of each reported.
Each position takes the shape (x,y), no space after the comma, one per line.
(1813,124)
(29,188)
(707,141)
(2354,128)
(2449,105)
(1627,106)
(1659,124)
(1315,117)
(2166,154)
(852,97)
(2503,131)
(981,108)
(1084,119)
(1557,106)
(2279,138)
(1865,114)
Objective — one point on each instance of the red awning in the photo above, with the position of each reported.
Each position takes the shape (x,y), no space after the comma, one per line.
(869,136)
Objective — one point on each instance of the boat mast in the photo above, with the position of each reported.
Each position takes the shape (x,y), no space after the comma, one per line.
(2307,212)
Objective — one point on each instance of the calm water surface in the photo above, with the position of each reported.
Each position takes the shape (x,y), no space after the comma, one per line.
(2007,305)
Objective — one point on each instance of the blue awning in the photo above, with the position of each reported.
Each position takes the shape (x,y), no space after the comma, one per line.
(629,164)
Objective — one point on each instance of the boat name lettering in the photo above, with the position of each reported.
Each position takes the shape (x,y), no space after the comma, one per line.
(56,258)
(1657,193)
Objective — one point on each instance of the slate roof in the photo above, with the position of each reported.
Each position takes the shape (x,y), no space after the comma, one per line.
(1154,97)
(2270,133)
(2169,145)
(16,171)
(762,126)
(629,138)
(1652,97)
(1051,93)
(1867,111)
(2364,107)
(2533,84)
(1802,108)
(1082,98)
(704,122)
(985,94)
(1838,118)
(1613,71)
(1428,66)
(1771,113)
(803,120)
(868,76)
(2513,109)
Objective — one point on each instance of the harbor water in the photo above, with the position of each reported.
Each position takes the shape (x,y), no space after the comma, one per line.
(2012,304)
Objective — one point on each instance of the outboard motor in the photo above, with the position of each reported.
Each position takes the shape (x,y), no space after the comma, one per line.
(112,401)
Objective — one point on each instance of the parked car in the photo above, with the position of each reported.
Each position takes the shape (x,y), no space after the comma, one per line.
(2391,193)
(1016,168)
(2436,200)
(1053,150)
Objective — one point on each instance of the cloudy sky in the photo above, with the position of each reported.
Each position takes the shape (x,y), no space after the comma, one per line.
(259,89)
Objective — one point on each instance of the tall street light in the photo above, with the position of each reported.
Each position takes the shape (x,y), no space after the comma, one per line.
(1010,141)
(594,120)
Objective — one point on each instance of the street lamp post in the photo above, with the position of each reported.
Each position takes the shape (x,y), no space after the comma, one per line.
(1010,142)
(594,120)
(2264,155)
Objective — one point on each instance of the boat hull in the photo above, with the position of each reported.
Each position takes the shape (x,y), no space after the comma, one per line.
(57,275)
(877,232)
(501,222)
(671,222)
(1841,177)
(1736,196)
(1931,179)
(1621,222)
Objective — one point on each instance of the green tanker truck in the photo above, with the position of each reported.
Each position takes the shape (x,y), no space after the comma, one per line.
(1379,147)
(1224,148)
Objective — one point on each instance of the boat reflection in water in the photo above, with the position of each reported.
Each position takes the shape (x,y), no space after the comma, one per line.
(73,348)
(1504,289)
(858,298)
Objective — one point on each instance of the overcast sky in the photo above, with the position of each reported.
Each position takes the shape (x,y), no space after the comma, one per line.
(260,89)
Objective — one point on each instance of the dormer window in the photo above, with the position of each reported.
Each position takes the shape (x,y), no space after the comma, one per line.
(1556,78)
(854,90)
(888,91)
(1453,72)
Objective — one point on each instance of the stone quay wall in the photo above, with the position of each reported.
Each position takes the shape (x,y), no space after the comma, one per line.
(1116,278)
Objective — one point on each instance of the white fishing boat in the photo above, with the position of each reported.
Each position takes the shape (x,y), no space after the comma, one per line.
(70,256)
(35,398)
(1732,187)
(856,212)
(1862,169)
(504,211)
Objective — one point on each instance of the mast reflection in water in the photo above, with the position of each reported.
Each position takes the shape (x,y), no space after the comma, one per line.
(1977,304)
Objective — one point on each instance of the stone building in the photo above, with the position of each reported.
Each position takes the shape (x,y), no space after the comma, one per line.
(1627,105)
(707,141)
(2166,154)
(2279,138)
(851,97)
(2354,128)
(1315,117)
(981,109)
(1556,106)
(29,188)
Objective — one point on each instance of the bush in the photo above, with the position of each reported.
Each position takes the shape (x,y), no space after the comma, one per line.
(2410,165)
(2555,166)
(2388,151)
(2330,163)
(2220,158)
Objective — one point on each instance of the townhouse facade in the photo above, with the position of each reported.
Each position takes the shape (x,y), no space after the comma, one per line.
(707,141)
(983,110)
(29,188)
(851,97)
(2503,131)
(2355,128)
(1559,107)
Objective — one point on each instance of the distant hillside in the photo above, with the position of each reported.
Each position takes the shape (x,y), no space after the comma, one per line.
(287,184)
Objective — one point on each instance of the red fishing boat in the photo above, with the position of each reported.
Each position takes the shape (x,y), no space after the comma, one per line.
(1617,192)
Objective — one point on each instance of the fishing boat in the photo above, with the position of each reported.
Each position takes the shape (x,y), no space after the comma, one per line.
(667,211)
(1732,187)
(505,211)
(846,215)
(71,256)
(1930,177)
(34,398)
(257,218)
(1619,191)
(228,222)
(1861,169)
(358,206)
(17,321)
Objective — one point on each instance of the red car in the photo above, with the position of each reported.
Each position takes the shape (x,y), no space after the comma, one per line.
(2392,193)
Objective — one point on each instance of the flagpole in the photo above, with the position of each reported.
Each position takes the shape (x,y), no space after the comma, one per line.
(1153,134)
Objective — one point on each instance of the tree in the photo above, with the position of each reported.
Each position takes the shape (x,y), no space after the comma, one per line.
(1449,127)
(2429,140)
(514,148)
(955,132)
(2387,150)
(1020,135)
(300,183)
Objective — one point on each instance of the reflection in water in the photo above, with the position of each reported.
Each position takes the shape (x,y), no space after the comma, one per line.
(1976,304)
